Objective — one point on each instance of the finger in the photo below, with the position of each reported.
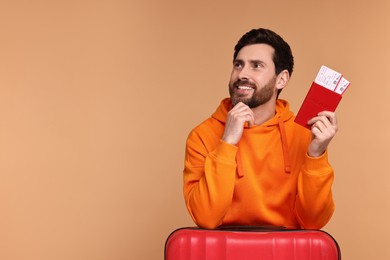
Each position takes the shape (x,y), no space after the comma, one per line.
(325,121)
(242,117)
(330,122)
(243,113)
(239,112)
(330,115)
(240,109)
(323,131)
(251,121)
(319,125)
(324,117)
(240,105)
(248,117)
(315,131)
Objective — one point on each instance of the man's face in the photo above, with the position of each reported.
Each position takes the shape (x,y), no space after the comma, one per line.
(253,78)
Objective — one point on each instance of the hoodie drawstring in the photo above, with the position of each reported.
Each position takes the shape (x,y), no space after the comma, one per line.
(287,165)
(240,168)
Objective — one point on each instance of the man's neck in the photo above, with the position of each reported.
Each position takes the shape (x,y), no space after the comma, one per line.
(264,112)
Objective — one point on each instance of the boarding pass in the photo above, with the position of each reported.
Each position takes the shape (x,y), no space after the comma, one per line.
(332,80)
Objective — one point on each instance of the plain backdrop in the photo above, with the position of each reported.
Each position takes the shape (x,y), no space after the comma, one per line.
(97,99)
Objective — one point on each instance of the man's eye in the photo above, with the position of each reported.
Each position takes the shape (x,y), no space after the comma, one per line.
(237,65)
(257,65)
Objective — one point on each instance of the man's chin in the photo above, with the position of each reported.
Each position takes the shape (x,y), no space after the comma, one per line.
(236,100)
(251,103)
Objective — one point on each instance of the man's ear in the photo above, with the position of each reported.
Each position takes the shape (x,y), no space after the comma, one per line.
(282,79)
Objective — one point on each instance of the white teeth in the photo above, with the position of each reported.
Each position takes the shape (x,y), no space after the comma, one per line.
(244,87)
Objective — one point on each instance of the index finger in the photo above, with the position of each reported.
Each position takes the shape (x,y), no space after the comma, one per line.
(330,115)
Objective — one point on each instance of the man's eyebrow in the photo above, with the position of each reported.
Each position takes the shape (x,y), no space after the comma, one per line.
(255,61)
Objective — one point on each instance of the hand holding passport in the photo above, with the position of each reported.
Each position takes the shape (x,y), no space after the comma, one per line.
(325,93)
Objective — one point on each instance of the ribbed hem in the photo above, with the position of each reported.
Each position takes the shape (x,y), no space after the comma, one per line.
(226,152)
(317,163)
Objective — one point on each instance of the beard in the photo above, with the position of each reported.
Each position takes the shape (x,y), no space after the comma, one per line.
(259,97)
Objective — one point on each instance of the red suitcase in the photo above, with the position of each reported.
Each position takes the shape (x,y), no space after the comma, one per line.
(250,244)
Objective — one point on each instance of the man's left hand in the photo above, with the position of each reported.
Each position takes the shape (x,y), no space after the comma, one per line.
(323,128)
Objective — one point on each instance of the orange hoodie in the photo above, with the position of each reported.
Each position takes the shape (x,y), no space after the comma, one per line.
(267,179)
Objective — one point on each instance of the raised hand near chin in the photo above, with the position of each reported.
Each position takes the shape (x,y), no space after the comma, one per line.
(236,119)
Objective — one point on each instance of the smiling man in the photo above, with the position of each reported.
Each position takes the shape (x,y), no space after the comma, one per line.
(250,163)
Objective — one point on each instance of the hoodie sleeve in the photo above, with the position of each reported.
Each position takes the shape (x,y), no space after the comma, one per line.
(209,179)
(314,205)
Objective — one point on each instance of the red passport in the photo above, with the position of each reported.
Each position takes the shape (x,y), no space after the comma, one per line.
(318,99)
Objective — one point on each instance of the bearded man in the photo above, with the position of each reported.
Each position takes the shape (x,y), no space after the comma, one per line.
(249,163)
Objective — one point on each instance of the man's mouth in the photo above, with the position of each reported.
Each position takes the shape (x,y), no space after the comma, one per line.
(245,87)
(244,90)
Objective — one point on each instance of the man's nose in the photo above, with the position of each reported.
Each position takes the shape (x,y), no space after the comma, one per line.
(244,73)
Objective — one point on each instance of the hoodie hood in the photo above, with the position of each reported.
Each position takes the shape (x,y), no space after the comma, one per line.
(282,115)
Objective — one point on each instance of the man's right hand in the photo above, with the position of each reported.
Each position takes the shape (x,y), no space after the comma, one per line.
(235,122)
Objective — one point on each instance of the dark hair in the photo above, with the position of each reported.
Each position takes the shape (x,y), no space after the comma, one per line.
(283,58)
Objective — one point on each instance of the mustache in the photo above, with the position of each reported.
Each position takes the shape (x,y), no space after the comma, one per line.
(244,82)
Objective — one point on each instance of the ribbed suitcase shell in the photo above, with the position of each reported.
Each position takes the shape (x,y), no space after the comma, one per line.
(250,244)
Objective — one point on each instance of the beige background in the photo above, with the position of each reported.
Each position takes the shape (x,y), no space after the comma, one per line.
(97,99)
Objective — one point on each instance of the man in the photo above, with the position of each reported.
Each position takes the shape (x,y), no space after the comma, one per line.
(250,163)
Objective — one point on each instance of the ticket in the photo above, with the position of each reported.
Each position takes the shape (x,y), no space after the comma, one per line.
(328,78)
(342,86)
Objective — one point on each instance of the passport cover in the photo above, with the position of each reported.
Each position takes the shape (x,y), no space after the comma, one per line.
(318,99)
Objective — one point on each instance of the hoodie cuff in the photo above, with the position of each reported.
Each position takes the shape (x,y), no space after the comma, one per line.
(315,164)
(226,152)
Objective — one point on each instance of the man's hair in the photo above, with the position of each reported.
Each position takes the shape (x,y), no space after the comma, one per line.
(283,58)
